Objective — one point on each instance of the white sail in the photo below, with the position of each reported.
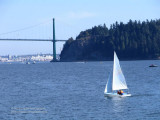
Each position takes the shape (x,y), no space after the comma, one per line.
(108,88)
(118,77)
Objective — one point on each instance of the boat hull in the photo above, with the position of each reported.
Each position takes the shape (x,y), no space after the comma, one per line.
(153,66)
(116,95)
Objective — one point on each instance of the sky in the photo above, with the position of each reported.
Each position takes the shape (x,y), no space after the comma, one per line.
(33,19)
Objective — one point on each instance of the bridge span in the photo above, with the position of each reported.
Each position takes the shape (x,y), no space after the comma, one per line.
(46,40)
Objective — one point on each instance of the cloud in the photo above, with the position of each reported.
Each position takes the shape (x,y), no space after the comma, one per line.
(80,15)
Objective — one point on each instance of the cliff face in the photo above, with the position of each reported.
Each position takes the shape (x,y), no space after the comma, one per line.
(73,51)
(134,40)
(82,50)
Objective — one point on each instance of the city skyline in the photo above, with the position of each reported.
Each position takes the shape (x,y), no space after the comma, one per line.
(26,58)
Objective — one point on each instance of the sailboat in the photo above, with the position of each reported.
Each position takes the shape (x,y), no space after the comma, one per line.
(116,81)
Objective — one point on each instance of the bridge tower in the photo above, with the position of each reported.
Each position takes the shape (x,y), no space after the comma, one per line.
(54,43)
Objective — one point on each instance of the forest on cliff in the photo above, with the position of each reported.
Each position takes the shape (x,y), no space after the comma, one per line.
(133,40)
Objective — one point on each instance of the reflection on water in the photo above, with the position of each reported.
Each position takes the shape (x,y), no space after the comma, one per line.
(117,103)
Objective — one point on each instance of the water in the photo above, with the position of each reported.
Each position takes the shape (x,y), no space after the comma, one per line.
(70,91)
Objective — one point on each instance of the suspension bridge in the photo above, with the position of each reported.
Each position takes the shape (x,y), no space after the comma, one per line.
(54,40)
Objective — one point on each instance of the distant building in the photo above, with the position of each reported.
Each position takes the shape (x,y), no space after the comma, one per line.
(9,57)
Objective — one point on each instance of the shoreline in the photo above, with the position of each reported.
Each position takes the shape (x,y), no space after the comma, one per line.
(103,60)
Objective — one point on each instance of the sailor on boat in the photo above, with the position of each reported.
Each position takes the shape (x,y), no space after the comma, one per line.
(120,92)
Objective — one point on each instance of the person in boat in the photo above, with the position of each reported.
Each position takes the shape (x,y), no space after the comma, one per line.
(120,92)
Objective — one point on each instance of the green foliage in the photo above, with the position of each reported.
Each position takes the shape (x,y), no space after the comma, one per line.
(134,40)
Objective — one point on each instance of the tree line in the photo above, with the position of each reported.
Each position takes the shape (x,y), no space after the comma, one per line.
(133,40)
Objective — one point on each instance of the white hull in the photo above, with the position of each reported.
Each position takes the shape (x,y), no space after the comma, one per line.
(116,95)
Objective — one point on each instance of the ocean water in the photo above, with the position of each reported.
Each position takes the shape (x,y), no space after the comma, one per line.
(75,91)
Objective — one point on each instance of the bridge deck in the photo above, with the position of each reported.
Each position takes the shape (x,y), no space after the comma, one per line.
(47,40)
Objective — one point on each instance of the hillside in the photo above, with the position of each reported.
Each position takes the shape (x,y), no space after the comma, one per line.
(134,40)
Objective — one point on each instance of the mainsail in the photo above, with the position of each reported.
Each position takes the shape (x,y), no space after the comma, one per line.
(118,77)
(116,80)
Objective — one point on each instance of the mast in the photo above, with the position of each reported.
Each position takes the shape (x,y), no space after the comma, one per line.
(113,71)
